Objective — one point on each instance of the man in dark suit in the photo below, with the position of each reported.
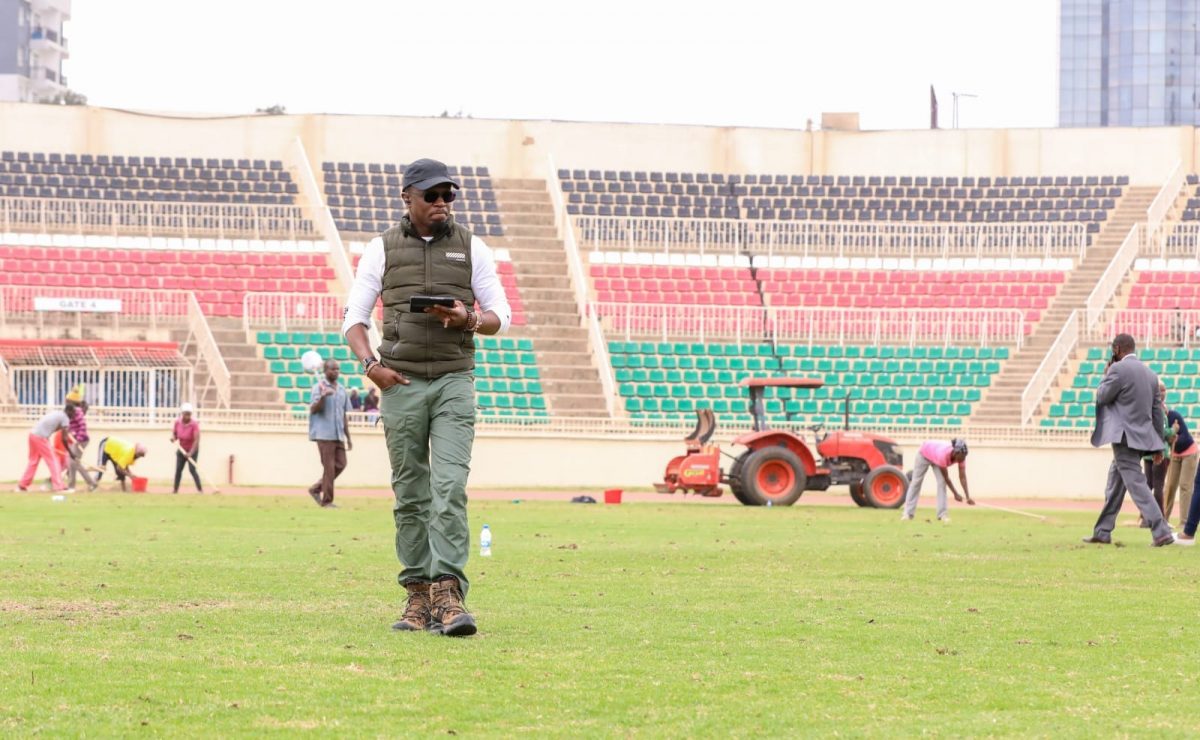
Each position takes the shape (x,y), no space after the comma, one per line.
(1129,416)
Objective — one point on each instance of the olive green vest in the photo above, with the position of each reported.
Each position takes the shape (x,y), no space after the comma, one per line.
(416,343)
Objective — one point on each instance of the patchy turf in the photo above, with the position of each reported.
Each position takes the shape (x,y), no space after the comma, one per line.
(242,615)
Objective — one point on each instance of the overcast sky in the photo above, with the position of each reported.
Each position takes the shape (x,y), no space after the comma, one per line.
(772,64)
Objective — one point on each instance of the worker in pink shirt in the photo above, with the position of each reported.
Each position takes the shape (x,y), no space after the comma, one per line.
(940,456)
(41,448)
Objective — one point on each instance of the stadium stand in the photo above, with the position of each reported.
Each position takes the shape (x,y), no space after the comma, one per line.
(220,279)
(887,385)
(1027,291)
(842,198)
(120,177)
(1167,289)
(1191,211)
(507,377)
(1177,367)
(364,197)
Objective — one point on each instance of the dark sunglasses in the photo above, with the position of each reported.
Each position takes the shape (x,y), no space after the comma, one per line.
(431,196)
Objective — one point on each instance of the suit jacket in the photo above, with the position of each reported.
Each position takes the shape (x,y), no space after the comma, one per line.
(1129,407)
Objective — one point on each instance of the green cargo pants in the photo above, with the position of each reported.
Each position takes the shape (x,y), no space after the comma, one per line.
(429,426)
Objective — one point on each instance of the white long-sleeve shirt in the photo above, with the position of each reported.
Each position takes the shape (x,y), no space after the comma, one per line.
(368,284)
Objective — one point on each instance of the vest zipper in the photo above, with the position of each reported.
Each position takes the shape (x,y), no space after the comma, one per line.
(429,291)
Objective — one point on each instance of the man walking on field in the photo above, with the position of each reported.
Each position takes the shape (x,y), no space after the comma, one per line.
(426,374)
(329,428)
(1129,416)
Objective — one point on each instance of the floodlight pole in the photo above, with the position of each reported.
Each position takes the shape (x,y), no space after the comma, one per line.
(954,115)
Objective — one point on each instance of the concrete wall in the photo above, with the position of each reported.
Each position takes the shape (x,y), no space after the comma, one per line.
(524,148)
(505,461)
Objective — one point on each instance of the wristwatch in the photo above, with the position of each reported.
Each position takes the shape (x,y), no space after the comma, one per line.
(367,362)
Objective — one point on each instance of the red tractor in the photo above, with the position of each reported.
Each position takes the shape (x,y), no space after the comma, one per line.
(778,467)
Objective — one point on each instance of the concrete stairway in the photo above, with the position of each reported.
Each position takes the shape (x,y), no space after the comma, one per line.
(569,379)
(1002,402)
(252,384)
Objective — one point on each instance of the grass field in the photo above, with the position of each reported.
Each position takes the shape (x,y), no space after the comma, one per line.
(244,615)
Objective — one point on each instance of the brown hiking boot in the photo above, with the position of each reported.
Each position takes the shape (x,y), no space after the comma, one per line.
(449,615)
(416,611)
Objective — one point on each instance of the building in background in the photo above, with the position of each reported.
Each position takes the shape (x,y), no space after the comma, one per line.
(1128,63)
(32,50)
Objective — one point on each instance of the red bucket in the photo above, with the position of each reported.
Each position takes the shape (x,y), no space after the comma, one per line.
(139,484)
(612,496)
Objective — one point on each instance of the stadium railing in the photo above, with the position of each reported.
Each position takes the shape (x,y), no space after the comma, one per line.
(815,238)
(1047,372)
(42,371)
(151,218)
(326,225)
(756,324)
(285,311)
(1149,327)
(579,285)
(1156,214)
(209,352)
(138,308)
(549,427)
(6,387)
(1114,274)
(148,308)
(1178,240)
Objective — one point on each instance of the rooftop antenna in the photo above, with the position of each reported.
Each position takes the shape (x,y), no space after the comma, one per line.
(956,96)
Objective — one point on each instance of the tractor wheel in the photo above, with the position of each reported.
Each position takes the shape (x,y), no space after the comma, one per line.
(735,479)
(885,486)
(773,474)
(856,493)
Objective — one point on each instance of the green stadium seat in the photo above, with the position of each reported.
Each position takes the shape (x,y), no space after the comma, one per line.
(285,381)
(282,337)
(289,353)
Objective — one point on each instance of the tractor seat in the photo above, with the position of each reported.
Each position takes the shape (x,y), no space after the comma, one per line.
(706,424)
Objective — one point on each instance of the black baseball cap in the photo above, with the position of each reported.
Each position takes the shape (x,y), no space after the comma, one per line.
(425,173)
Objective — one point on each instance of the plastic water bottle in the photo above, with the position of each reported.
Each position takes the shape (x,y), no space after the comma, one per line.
(485,542)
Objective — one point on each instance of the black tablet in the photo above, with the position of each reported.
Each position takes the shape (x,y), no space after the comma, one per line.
(419,303)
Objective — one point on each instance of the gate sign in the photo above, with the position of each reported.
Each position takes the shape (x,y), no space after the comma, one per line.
(81,305)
